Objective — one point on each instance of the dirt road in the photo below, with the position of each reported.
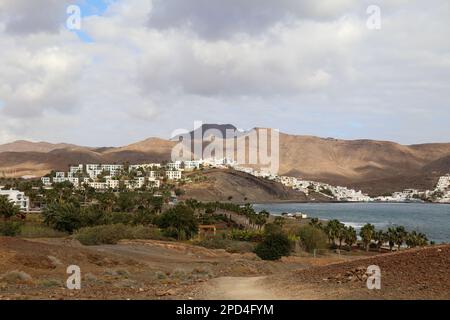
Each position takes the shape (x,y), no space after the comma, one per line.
(237,288)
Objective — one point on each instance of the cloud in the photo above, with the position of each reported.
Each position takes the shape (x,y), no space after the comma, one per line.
(28,17)
(305,67)
(217,19)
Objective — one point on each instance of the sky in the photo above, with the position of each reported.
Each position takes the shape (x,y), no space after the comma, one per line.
(144,68)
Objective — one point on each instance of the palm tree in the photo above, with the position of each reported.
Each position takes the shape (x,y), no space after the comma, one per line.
(350,237)
(331,230)
(422,239)
(315,222)
(261,218)
(380,238)
(391,237)
(7,208)
(400,236)
(341,231)
(367,232)
(415,239)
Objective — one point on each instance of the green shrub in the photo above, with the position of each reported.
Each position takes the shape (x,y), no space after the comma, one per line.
(178,222)
(246,235)
(93,216)
(34,230)
(120,217)
(111,234)
(231,246)
(271,228)
(10,228)
(312,238)
(274,246)
(63,216)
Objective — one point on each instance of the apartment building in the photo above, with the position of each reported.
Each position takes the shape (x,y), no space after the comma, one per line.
(191,164)
(18,198)
(145,166)
(173,175)
(443,183)
(46,181)
(172,166)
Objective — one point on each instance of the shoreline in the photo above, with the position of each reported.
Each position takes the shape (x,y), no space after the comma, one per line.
(343,202)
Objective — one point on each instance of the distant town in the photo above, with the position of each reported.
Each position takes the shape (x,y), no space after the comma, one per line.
(150,176)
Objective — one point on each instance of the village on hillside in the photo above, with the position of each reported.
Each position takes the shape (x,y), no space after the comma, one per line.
(150,176)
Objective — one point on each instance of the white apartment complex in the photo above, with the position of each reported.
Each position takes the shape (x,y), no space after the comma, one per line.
(89,174)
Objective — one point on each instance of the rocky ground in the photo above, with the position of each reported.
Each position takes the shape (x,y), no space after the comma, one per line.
(410,274)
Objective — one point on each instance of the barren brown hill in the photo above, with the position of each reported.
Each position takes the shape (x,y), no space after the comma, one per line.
(374,166)
(28,146)
(223,185)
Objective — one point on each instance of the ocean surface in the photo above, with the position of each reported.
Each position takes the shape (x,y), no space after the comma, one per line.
(431,219)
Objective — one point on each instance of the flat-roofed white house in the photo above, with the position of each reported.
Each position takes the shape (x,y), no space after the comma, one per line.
(112,183)
(154,183)
(60,174)
(191,164)
(144,166)
(174,165)
(76,169)
(18,198)
(46,181)
(173,175)
(443,183)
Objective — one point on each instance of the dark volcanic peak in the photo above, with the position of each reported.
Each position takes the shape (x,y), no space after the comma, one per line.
(208,129)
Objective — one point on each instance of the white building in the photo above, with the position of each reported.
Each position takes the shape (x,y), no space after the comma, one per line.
(191,164)
(145,166)
(113,183)
(154,183)
(60,174)
(443,183)
(173,175)
(18,198)
(98,185)
(76,169)
(93,170)
(46,181)
(174,165)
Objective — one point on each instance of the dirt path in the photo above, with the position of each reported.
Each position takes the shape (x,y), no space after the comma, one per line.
(237,288)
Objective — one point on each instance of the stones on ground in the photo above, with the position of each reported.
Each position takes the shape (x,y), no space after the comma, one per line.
(55,261)
(16,276)
(357,274)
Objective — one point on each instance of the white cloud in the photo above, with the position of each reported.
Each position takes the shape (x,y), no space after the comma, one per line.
(308,67)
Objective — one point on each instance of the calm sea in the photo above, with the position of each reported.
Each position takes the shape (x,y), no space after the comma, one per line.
(431,219)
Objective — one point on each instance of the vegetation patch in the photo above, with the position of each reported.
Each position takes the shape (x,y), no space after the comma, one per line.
(231,246)
(111,234)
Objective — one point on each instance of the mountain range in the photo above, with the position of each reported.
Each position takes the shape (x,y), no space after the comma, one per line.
(376,167)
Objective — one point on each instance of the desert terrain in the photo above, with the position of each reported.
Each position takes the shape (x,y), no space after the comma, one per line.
(148,269)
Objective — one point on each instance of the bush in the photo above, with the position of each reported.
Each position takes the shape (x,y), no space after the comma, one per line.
(178,222)
(111,234)
(226,244)
(120,218)
(246,235)
(93,216)
(312,238)
(10,228)
(274,246)
(63,216)
(33,230)
(144,217)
